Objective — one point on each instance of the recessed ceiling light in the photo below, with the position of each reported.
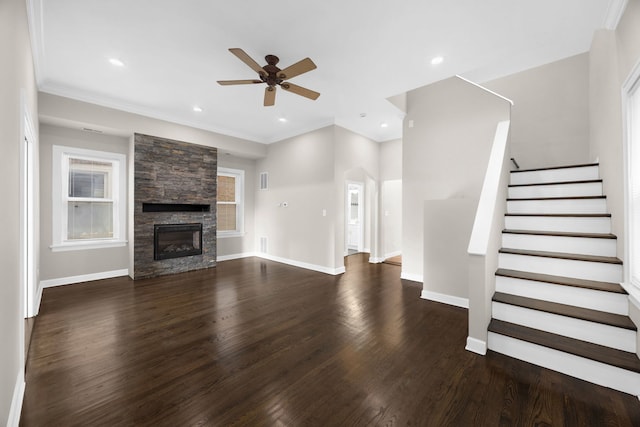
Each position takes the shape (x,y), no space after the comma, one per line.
(363,115)
(384,125)
(116,62)
(197,109)
(282,120)
(437,60)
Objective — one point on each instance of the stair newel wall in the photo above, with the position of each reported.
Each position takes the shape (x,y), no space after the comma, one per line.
(486,239)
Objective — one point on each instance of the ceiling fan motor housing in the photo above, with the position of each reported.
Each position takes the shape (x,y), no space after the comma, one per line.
(272,77)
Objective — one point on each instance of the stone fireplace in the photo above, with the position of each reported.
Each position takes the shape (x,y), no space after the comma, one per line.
(174,206)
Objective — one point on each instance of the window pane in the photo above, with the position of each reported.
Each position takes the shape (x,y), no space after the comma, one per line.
(226,188)
(90,220)
(89,178)
(226,217)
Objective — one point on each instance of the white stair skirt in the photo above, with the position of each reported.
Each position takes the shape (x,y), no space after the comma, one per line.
(596,333)
(560,223)
(571,245)
(558,206)
(556,175)
(599,271)
(569,364)
(556,190)
(609,302)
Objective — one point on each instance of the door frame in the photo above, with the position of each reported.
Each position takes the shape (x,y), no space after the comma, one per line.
(361,201)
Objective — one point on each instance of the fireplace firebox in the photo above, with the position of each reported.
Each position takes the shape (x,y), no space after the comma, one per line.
(176,240)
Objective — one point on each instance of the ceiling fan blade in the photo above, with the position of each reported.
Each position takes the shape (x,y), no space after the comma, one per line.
(242,55)
(269,96)
(299,90)
(238,82)
(296,69)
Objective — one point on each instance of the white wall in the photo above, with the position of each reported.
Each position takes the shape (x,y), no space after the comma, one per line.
(242,245)
(16,78)
(391,187)
(356,158)
(444,154)
(60,265)
(550,116)
(301,174)
(67,112)
(611,58)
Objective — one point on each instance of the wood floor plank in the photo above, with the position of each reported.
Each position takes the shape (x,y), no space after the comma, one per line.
(258,343)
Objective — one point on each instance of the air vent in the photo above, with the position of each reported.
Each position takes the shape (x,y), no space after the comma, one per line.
(263,245)
(91,130)
(264,180)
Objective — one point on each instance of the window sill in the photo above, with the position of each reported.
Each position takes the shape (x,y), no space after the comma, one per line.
(227,234)
(81,246)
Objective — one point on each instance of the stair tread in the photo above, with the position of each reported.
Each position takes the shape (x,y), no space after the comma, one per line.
(561,234)
(561,280)
(610,356)
(511,199)
(584,181)
(563,255)
(582,165)
(590,315)
(564,215)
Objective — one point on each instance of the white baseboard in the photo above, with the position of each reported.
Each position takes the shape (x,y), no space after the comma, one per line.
(38,300)
(49,283)
(373,260)
(392,254)
(412,277)
(476,346)
(444,298)
(220,258)
(314,267)
(16,402)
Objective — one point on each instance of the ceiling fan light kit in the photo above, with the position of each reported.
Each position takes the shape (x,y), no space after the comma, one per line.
(274,76)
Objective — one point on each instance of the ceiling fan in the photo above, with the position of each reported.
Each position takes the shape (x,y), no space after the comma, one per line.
(274,76)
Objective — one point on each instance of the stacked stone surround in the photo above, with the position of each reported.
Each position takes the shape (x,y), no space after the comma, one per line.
(173,172)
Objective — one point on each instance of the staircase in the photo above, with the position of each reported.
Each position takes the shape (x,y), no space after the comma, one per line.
(558,300)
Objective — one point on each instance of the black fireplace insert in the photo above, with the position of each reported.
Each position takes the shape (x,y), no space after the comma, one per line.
(176,240)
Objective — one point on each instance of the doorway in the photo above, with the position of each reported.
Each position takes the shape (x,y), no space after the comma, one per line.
(631,95)
(354,215)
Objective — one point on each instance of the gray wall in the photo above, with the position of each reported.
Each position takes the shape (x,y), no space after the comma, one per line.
(58,265)
(444,155)
(229,246)
(16,77)
(550,116)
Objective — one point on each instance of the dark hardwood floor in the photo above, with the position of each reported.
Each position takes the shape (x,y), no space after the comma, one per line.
(257,343)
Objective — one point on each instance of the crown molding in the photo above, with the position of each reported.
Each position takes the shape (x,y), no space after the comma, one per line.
(615,10)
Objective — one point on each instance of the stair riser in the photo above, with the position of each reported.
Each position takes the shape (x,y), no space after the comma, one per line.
(559,190)
(609,302)
(579,367)
(597,333)
(572,245)
(561,206)
(598,271)
(568,224)
(555,175)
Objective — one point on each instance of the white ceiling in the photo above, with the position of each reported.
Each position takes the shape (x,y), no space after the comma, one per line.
(365,50)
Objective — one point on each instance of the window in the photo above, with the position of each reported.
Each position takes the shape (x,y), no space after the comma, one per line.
(230,202)
(89,189)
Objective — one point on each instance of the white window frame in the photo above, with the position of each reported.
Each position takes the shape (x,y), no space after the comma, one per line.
(631,117)
(238,174)
(60,191)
